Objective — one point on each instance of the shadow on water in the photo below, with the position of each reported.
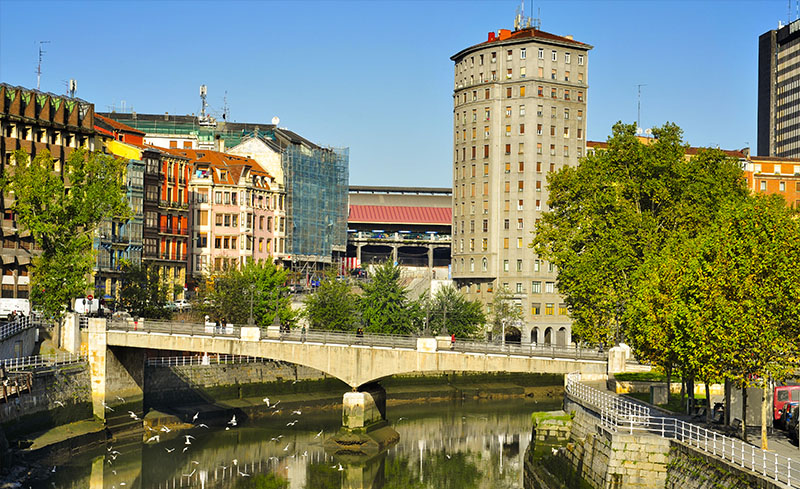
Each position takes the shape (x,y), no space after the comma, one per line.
(464,445)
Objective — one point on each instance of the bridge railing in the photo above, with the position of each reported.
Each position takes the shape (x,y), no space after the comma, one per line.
(354,339)
(11,328)
(620,415)
(42,361)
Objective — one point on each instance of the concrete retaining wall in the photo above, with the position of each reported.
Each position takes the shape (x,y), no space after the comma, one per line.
(690,469)
(19,345)
(58,396)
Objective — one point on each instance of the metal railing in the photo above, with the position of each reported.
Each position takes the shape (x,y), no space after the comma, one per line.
(213,359)
(42,361)
(353,339)
(620,415)
(21,324)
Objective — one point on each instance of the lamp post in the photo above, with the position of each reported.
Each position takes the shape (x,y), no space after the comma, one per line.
(503,339)
(250,320)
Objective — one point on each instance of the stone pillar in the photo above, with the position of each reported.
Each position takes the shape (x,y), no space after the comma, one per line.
(71,333)
(117,377)
(358,253)
(430,257)
(616,360)
(394,253)
(365,408)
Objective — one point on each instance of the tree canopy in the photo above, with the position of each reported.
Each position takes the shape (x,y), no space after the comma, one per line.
(385,307)
(143,292)
(619,205)
(62,209)
(333,305)
(449,312)
(228,295)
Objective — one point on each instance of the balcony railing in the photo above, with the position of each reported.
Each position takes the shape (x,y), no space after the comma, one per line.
(173,230)
(398,236)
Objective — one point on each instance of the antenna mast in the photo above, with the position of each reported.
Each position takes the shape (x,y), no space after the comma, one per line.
(39,66)
(203,103)
(639,105)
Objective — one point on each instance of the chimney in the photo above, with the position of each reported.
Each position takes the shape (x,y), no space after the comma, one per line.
(569,36)
(166,116)
(491,36)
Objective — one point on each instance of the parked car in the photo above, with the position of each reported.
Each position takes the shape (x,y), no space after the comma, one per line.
(183,305)
(792,424)
(783,394)
(297,288)
(358,273)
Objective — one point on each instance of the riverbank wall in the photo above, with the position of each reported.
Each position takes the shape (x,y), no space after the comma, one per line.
(597,458)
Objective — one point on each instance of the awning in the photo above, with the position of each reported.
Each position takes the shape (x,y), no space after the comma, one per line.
(23,259)
(7,259)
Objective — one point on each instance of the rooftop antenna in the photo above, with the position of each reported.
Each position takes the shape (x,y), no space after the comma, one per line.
(225,106)
(639,105)
(39,66)
(73,87)
(203,105)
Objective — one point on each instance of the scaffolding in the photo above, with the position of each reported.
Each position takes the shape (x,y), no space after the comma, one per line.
(316,205)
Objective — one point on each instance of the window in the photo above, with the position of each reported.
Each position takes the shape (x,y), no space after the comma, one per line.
(522,110)
(485,264)
(536,287)
(580,135)
(522,91)
(486,169)
(566,132)
(505,242)
(521,166)
(763,185)
(505,265)
(508,149)
(553,74)
(553,93)
(520,186)
(508,73)
(566,113)
(783,186)
(580,60)
(522,72)
(580,115)
(540,72)
(507,186)
(548,309)
(472,244)
(522,53)
(485,132)
(485,225)
(566,94)
(540,91)
(541,53)
(566,57)
(520,223)
(521,149)
(566,149)
(519,269)
(539,166)
(487,113)
(549,287)
(509,55)
(552,130)
(562,309)
(485,244)
(538,148)
(538,129)
(471,264)
(508,167)
(552,112)
(508,111)
(580,96)
(486,154)
(474,92)
(519,242)
(508,92)
(552,150)
(519,288)
(538,185)
(538,205)
(555,56)
(566,76)
(539,111)
(536,308)
(507,205)
(536,265)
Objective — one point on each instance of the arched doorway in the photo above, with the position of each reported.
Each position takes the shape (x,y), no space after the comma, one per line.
(534,336)
(561,336)
(513,335)
(548,336)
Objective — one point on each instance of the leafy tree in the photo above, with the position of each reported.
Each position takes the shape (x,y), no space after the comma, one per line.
(262,481)
(384,305)
(333,306)
(228,295)
(449,312)
(62,210)
(619,205)
(504,310)
(143,292)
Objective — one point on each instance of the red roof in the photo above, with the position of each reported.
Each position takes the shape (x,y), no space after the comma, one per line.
(400,214)
(118,125)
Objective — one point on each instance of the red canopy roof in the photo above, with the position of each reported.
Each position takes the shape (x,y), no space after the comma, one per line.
(400,214)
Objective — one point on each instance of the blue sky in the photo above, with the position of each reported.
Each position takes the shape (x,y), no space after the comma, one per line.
(375,76)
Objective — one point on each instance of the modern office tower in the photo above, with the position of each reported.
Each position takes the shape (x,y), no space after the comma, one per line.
(519,113)
(779,92)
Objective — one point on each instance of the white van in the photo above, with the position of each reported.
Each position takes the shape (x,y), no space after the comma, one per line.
(82,305)
(20,306)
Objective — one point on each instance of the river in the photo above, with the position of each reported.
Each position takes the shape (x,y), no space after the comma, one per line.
(463,445)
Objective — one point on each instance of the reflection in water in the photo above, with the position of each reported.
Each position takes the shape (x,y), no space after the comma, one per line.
(464,446)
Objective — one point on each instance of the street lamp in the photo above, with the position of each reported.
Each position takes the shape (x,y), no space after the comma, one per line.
(503,340)
(250,321)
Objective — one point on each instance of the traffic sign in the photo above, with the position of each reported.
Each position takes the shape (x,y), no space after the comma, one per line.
(89,297)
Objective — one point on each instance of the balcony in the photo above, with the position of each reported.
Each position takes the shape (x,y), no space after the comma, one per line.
(173,230)
(172,257)
(168,204)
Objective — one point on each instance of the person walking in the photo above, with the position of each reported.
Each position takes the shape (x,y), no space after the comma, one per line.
(453,341)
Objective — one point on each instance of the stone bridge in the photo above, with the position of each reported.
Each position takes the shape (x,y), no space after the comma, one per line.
(116,356)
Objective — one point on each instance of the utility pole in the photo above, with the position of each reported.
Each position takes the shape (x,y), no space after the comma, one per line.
(39,66)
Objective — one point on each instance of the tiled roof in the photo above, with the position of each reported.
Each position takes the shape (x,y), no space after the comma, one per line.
(400,214)
(235,165)
(692,150)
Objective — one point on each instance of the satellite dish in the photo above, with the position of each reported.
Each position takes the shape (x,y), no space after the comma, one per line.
(648,131)
(638,130)
(203,90)
(275,120)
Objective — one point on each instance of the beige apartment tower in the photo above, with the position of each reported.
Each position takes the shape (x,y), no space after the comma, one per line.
(519,113)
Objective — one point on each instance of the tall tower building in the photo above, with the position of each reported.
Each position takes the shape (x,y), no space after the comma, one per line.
(779,92)
(519,113)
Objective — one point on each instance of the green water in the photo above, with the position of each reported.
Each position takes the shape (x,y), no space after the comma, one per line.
(463,445)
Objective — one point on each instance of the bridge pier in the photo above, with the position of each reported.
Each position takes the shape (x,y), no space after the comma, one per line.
(117,378)
(365,430)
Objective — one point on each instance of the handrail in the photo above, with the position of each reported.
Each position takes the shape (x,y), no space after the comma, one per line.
(620,415)
(366,339)
(10,329)
(37,361)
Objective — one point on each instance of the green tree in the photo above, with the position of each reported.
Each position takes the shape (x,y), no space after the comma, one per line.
(262,481)
(449,312)
(619,205)
(384,305)
(61,211)
(143,292)
(333,305)
(229,295)
(505,312)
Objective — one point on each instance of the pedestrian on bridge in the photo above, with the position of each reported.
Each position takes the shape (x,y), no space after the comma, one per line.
(453,341)
(303,334)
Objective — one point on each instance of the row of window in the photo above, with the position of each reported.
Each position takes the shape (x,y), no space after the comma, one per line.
(520,151)
(508,113)
(461,172)
(522,72)
(506,207)
(523,54)
(537,267)
(521,91)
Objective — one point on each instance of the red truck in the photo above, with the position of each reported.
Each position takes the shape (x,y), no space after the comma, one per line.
(785,397)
